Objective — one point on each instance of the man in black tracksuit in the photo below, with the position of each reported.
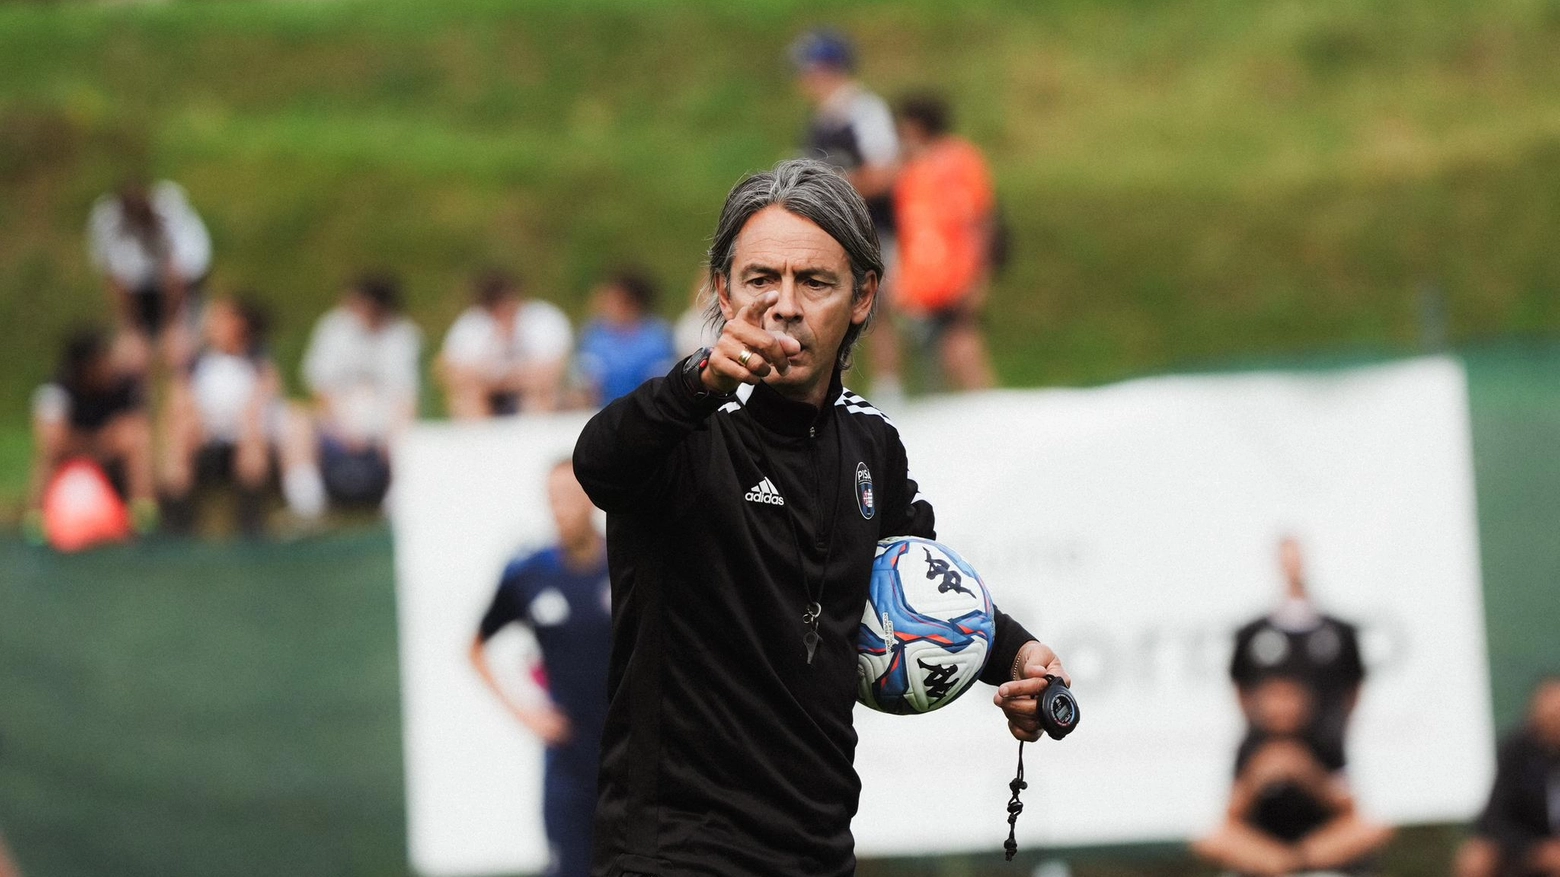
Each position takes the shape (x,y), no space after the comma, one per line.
(745,494)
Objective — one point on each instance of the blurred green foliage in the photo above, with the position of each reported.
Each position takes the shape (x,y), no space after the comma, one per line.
(1186,180)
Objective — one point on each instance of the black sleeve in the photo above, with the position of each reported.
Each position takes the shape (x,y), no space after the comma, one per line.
(1351,667)
(621,456)
(910,514)
(1010,637)
(1242,672)
(508,606)
(1506,818)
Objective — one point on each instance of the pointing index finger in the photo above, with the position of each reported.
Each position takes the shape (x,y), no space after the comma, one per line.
(753,312)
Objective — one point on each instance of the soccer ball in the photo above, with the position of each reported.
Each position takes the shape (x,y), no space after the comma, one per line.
(927,628)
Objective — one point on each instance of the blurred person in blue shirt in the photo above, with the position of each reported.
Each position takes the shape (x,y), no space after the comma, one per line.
(1519,831)
(563,594)
(625,345)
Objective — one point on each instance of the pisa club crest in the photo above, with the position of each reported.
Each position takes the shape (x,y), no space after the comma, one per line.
(864,498)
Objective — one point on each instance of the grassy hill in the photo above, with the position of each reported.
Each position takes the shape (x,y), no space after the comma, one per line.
(1187,181)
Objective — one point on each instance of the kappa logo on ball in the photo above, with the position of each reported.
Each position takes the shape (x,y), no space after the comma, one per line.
(864,499)
(765,492)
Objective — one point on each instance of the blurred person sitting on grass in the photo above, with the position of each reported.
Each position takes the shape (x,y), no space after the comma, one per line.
(944,214)
(504,354)
(154,252)
(1288,811)
(1518,834)
(564,595)
(226,419)
(626,344)
(361,369)
(94,408)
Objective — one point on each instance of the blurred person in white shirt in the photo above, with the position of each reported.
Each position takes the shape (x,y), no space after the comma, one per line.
(154,252)
(361,370)
(226,417)
(504,354)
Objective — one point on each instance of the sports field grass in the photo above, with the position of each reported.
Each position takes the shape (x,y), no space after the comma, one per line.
(1187,181)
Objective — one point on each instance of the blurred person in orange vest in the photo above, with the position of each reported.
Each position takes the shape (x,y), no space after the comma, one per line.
(1519,831)
(944,212)
(95,408)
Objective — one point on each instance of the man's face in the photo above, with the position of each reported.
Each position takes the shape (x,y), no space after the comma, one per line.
(367,311)
(778,251)
(571,508)
(225,329)
(912,137)
(817,81)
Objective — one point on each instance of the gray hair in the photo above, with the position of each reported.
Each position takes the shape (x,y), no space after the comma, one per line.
(818,193)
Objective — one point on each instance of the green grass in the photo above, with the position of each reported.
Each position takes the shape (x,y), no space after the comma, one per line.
(1187,181)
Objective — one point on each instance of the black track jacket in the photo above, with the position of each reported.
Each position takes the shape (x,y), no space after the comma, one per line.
(725,752)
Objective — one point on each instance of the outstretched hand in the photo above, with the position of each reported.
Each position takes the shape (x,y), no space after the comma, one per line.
(1020,699)
(745,334)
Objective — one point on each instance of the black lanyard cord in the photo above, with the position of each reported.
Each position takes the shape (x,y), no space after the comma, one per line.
(1015,806)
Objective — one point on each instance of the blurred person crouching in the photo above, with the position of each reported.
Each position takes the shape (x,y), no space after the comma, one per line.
(944,213)
(226,419)
(626,344)
(361,369)
(154,253)
(505,354)
(1288,811)
(95,408)
(1518,834)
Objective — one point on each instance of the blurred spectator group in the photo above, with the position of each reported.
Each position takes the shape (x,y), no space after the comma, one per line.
(180,393)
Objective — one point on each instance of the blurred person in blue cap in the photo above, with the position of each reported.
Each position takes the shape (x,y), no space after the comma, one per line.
(853,129)
(626,344)
(563,594)
(1518,834)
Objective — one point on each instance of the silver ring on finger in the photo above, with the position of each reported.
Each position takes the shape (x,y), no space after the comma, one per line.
(743,359)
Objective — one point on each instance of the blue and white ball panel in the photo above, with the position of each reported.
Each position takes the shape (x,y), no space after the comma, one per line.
(927,628)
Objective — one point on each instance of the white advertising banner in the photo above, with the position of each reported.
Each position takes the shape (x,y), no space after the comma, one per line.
(1133,527)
